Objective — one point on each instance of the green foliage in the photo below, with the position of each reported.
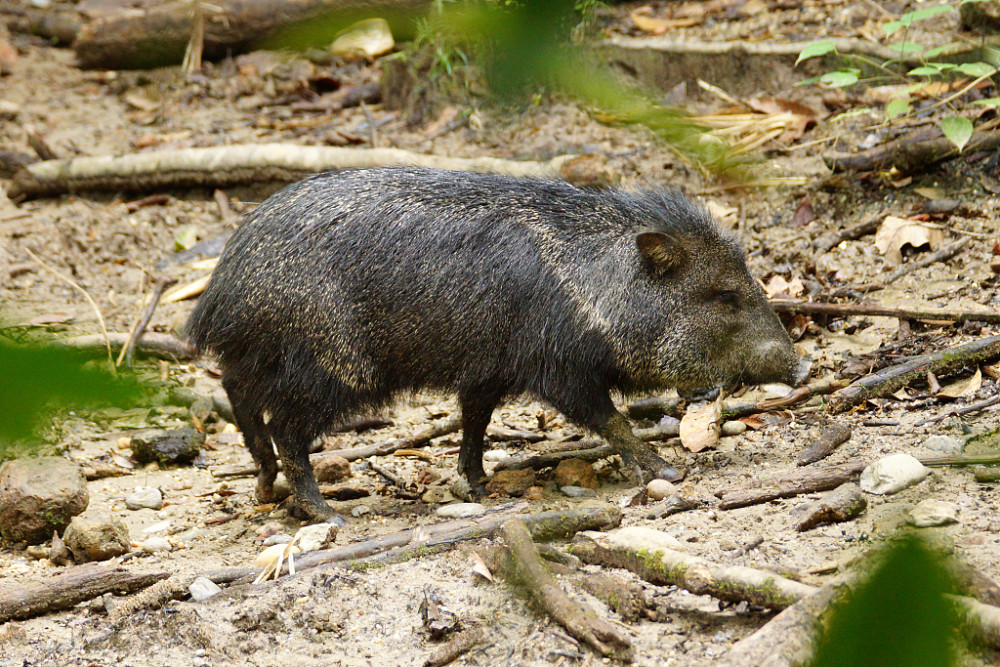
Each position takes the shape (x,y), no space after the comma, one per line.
(957,130)
(899,617)
(37,380)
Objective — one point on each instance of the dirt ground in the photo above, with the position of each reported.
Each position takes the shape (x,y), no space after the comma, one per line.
(371,617)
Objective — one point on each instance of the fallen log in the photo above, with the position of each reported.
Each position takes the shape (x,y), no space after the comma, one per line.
(225,166)
(70,587)
(893,378)
(158,36)
(523,568)
(648,554)
(150,344)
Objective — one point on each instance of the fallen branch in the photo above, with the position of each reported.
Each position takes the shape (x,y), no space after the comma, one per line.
(174,587)
(911,153)
(415,441)
(525,570)
(794,397)
(152,344)
(70,587)
(807,480)
(846,309)
(459,645)
(225,166)
(127,351)
(647,553)
(869,226)
(890,380)
(829,439)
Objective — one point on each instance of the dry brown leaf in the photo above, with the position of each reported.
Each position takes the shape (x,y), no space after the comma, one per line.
(658,26)
(699,429)
(963,388)
(778,285)
(479,567)
(930,193)
(724,215)
(753,7)
(897,232)
(992,371)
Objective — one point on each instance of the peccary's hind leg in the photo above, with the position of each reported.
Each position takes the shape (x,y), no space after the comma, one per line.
(257,439)
(477,409)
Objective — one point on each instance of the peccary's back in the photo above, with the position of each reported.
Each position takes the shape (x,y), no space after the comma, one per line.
(386,279)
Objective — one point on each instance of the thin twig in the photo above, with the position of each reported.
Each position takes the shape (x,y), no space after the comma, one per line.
(975,407)
(93,304)
(140,326)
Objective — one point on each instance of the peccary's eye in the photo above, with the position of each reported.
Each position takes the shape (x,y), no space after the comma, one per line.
(729,298)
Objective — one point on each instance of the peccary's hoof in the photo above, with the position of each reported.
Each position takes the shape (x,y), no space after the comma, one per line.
(317,513)
(461,488)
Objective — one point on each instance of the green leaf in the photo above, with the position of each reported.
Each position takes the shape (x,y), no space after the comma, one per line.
(957,130)
(976,69)
(816,49)
(906,20)
(924,71)
(806,82)
(853,113)
(988,102)
(840,78)
(897,108)
(890,620)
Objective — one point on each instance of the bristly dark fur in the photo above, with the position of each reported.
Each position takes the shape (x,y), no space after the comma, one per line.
(347,288)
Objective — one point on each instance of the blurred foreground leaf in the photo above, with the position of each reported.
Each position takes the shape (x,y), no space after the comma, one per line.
(37,380)
(899,617)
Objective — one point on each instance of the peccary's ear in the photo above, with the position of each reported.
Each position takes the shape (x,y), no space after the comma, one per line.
(658,251)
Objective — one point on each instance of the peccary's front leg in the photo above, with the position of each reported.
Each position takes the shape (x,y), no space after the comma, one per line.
(294,451)
(638,458)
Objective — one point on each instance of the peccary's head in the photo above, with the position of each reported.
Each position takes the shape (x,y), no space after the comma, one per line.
(703,318)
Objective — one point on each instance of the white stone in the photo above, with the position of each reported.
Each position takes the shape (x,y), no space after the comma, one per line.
(934,513)
(942,443)
(316,536)
(496,455)
(360,510)
(155,543)
(658,489)
(150,498)
(460,510)
(578,491)
(893,473)
(277,538)
(202,589)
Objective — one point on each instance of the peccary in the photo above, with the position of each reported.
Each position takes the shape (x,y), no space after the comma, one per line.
(344,289)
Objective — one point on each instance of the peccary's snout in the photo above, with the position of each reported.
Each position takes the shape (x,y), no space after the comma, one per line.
(778,361)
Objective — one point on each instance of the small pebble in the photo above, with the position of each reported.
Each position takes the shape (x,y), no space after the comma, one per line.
(943,443)
(733,428)
(496,455)
(155,543)
(658,489)
(144,499)
(277,538)
(360,510)
(460,510)
(891,474)
(437,495)
(986,474)
(191,534)
(933,513)
(316,536)
(578,492)
(202,589)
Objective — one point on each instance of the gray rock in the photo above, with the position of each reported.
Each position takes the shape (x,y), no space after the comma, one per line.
(360,510)
(943,443)
(203,588)
(933,513)
(578,492)
(96,538)
(279,538)
(39,496)
(891,474)
(191,534)
(460,510)
(149,498)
